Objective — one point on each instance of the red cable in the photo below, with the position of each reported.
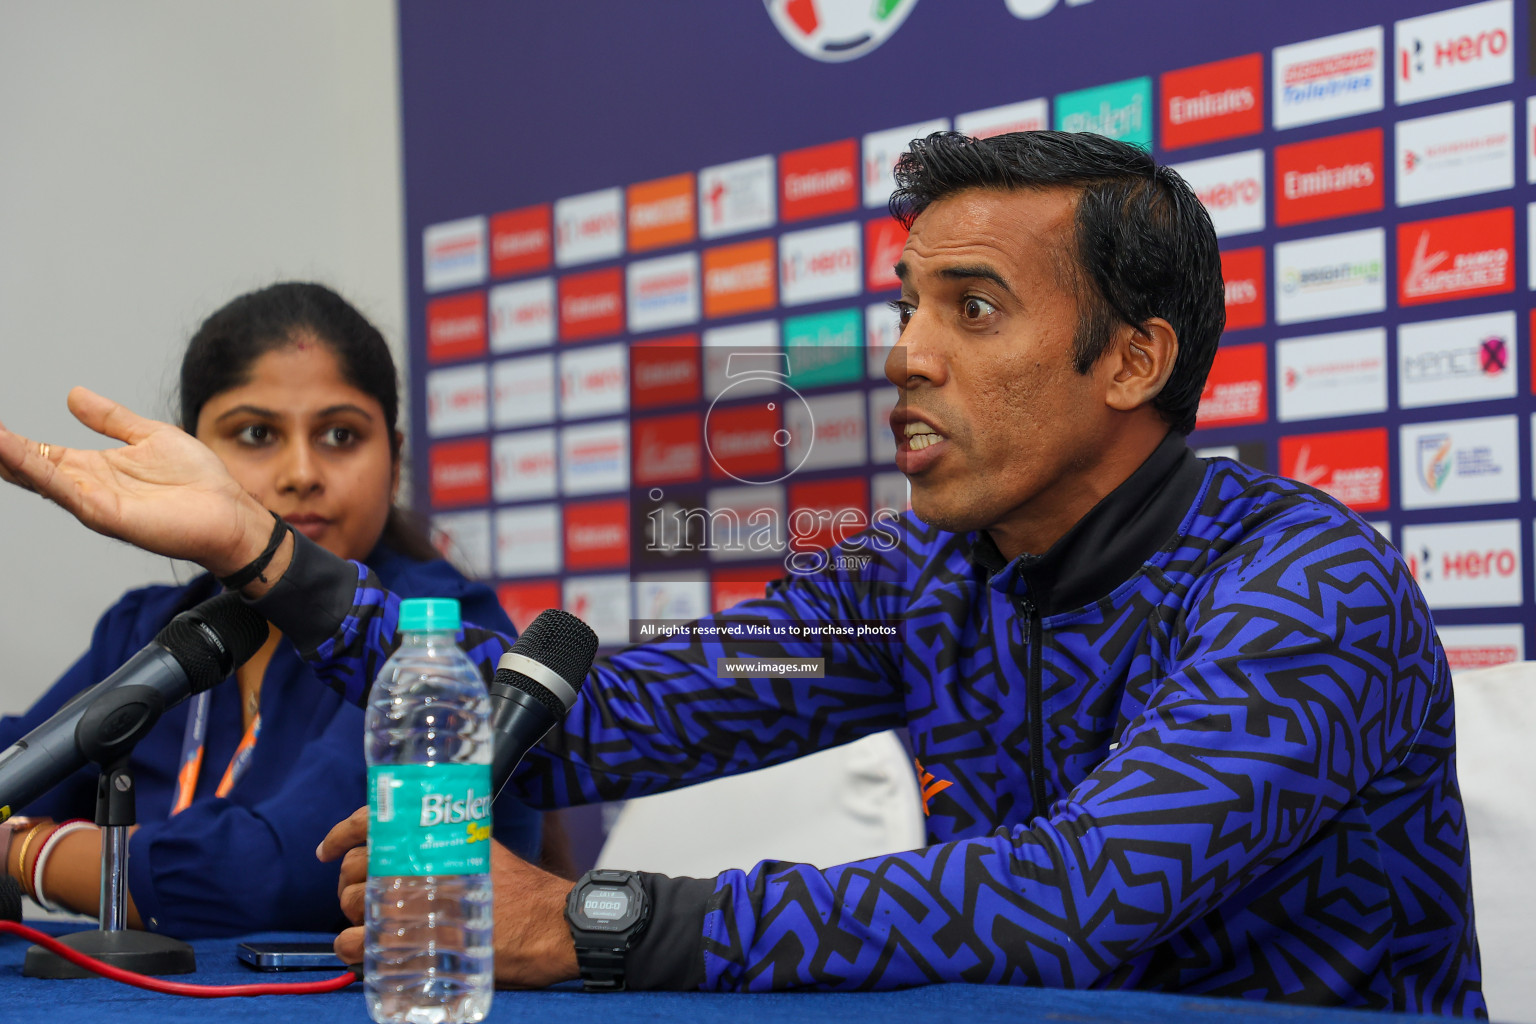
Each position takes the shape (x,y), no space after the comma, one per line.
(176,988)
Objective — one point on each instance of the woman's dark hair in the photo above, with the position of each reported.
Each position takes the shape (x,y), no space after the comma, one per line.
(1145,245)
(221,353)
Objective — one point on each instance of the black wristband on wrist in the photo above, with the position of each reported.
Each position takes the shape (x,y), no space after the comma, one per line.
(241,577)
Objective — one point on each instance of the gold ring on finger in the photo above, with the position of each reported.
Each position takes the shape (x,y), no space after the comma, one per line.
(43,448)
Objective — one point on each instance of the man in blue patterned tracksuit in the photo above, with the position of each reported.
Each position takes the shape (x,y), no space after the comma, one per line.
(1189,725)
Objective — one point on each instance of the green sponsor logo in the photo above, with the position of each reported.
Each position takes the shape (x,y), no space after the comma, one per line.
(1120,110)
(825,348)
(429,819)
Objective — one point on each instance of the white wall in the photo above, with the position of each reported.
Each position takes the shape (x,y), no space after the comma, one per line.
(156,159)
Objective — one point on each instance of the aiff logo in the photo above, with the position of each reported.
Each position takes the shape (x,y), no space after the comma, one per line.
(837,30)
(1435,460)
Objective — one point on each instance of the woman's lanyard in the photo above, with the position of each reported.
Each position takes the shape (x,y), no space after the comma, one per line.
(193,742)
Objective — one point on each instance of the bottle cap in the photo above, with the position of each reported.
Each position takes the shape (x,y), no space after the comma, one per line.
(429,615)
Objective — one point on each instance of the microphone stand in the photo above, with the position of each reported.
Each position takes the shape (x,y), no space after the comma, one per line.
(107,734)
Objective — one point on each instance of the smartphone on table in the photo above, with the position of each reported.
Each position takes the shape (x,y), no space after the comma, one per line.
(289,956)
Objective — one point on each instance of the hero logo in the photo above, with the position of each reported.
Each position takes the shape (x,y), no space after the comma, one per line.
(822,263)
(826,431)
(1456,257)
(1231,188)
(523,465)
(1465,359)
(456,401)
(523,314)
(736,197)
(593,381)
(1455,51)
(837,30)
(589,227)
(454,253)
(1466,565)
(1329,78)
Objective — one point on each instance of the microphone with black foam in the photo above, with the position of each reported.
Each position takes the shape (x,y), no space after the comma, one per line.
(196,650)
(535,685)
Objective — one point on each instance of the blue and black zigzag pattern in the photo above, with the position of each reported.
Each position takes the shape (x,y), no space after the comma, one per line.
(1241,780)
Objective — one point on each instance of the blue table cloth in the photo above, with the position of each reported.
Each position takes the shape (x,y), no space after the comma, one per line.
(96,999)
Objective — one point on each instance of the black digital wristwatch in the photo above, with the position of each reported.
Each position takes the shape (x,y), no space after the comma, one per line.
(607,912)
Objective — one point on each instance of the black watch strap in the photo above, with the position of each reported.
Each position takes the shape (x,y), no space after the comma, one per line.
(607,912)
(602,970)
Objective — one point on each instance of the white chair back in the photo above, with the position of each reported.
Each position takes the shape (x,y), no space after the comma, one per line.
(835,806)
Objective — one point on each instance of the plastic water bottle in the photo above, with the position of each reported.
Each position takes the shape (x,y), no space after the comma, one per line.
(428,954)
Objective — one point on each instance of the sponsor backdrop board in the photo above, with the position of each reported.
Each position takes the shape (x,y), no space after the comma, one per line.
(609,208)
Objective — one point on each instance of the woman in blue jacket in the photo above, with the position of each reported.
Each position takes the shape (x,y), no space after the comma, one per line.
(296,393)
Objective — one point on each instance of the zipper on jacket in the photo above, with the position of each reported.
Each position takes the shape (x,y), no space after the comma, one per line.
(1034,699)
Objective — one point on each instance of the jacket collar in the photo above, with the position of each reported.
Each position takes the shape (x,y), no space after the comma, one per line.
(1109,544)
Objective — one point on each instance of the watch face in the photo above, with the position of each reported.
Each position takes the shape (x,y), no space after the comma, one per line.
(605,904)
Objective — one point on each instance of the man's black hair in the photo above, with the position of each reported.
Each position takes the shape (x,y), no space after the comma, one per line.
(1145,245)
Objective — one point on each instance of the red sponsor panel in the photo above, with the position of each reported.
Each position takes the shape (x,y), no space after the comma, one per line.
(591,304)
(883,241)
(1243,272)
(664,371)
(1236,390)
(741,441)
(597,534)
(456,327)
(524,600)
(1332,177)
(668,449)
(1456,257)
(1351,465)
(520,241)
(819,180)
(1220,100)
(459,473)
(827,512)
(730,587)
